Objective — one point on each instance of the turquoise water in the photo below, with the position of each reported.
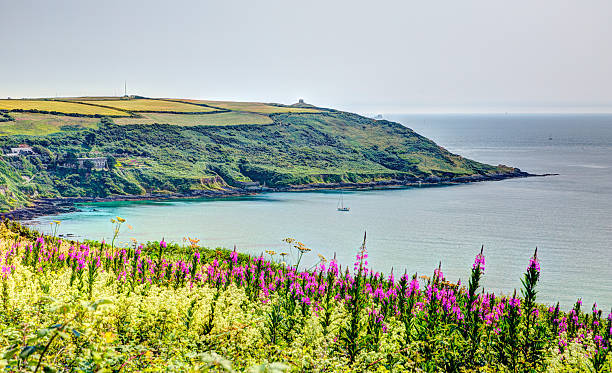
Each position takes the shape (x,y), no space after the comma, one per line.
(568,217)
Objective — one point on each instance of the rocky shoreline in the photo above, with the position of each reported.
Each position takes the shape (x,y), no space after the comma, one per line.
(54,206)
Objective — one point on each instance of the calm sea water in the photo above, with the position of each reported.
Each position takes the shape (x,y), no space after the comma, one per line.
(568,217)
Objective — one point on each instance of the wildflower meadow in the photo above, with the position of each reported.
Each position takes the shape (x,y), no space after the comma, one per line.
(92,306)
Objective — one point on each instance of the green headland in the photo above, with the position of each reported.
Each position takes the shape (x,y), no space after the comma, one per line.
(121,147)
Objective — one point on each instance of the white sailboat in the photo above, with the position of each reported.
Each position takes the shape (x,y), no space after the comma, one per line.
(341,206)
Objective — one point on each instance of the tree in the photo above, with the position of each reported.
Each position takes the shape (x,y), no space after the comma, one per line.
(45,154)
(106,121)
(90,138)
(71,159)
(88,165)
(111,162)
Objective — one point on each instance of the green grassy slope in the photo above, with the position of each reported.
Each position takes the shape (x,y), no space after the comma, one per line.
(12,191)
(288,149)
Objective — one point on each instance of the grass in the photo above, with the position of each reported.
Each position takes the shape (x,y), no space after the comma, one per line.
(131,163)
(91,98)
(58,106)
(188,120)
(254,107)
(10,193)
(152,111)
(36,124)
(143,104)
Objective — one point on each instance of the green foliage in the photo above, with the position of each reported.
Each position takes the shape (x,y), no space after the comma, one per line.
(194,309)
(13,192)
(295,149)
(5,116)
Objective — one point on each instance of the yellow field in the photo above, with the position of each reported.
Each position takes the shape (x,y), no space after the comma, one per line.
(253,107)
(90,98)
(142,104)
(216,119)
(36,124)
(150,111)
(58,106)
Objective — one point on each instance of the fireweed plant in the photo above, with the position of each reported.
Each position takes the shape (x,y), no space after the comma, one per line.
(187,308)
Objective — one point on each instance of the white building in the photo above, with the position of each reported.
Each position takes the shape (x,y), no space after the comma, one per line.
(98,162)
(22,150)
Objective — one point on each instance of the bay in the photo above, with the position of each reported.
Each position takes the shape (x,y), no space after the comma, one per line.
(568,217)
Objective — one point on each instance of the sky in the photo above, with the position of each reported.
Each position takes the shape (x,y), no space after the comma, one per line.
(364,56)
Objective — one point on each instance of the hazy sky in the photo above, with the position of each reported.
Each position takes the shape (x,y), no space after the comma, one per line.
(365,56)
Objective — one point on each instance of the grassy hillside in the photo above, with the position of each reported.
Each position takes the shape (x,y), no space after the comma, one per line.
(185,146)
(254,107)
(148,105)
(59,107)
(229,118)
(36,124)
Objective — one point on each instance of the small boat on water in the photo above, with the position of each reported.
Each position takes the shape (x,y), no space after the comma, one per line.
(341,206)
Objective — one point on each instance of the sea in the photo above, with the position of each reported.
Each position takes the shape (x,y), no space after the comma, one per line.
(567,217)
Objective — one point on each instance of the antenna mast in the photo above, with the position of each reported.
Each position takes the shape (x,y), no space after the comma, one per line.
(125,88)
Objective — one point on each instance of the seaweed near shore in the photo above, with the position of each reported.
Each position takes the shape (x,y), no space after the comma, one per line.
(93,306)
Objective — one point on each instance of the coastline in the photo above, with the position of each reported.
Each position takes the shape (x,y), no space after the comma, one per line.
(59,205)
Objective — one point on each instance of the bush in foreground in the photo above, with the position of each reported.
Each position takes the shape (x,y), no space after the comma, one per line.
(95,307)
